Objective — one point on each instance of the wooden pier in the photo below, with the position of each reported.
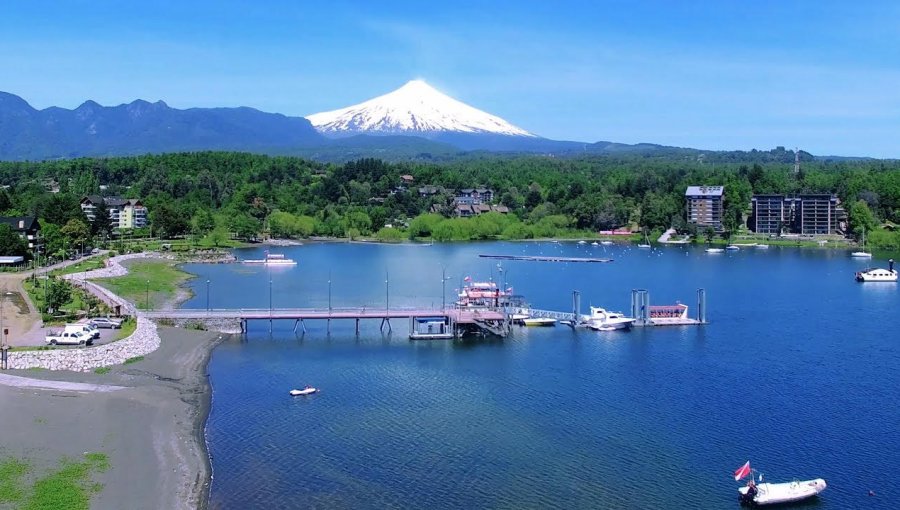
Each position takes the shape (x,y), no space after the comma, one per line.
(546,258)
(494,321)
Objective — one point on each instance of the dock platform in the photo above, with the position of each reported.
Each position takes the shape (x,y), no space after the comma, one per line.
(546,258)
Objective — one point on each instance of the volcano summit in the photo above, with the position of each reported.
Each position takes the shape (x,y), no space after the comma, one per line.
(415,109)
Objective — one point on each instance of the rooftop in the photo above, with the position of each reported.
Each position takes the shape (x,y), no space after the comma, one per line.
(704,191)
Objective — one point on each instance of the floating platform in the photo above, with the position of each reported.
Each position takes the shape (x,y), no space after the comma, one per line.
(544,258)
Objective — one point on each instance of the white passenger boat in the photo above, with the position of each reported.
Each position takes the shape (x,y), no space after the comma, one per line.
(765,493)
(714,250)
(877,274)
(601,319)
(309,390)
(539,321)
(272,259)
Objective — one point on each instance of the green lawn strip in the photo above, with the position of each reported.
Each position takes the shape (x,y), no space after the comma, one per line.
(127,329)
(133,360)
(70,487)
(156,281)
(11,473)
(88,264)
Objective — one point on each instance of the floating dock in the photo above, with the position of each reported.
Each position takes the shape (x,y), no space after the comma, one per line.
(545,258)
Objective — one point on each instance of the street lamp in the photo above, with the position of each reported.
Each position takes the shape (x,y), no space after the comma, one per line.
(148,295)
(329,291)
(207,295)
(2,331)
(387,293)
(270,296)
(444,279)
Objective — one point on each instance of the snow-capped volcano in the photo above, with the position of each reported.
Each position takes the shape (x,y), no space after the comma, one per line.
(414,109)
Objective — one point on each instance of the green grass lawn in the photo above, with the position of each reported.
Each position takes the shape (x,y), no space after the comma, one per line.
(69,486)
(148,284)
(85,265)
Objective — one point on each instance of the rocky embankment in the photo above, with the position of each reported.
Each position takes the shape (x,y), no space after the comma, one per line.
(143,341)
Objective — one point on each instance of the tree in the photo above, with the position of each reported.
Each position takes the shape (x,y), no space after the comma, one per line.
(170,220)
(58,294)
(203,222)
(11,243)
(244,226)
(101,224)
(76,233)
(861,218)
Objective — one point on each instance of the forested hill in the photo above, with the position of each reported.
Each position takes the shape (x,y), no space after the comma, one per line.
(141,127)
(194,193)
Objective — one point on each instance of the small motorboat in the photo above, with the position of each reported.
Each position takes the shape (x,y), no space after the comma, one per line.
(309,390)
(765,493)
(539,321)
(762,246)
(595,243)
(714,250)
(582,242)
(732,247)
(606,243)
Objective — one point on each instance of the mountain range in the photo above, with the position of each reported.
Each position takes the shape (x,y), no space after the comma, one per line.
(413,122)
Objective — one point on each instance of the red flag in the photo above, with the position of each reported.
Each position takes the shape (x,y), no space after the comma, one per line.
(742,471)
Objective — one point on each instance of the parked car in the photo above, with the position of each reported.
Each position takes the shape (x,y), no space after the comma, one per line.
(84,327)
(69,338)
(106,323)
(95,251)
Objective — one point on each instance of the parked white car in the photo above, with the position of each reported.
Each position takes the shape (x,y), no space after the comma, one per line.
(69,338)
(87,328)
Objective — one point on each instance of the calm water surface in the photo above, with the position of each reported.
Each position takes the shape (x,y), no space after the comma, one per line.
(798,372)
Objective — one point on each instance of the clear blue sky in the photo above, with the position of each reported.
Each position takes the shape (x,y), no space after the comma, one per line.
(820,75)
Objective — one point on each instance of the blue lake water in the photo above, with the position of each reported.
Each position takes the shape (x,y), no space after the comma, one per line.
(798,371)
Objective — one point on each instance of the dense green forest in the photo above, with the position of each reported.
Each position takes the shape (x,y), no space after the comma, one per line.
(223,194)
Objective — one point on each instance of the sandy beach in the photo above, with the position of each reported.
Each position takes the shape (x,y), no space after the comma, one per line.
(148,417)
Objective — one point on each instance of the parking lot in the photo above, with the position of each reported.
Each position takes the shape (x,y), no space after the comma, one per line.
(36,337)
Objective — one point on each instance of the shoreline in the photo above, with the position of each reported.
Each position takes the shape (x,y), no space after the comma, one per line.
(149,417)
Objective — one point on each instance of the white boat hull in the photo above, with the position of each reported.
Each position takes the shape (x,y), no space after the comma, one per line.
(539,321)
(861,255)
(714,250)
(788,492)
(610,325)
(304,391)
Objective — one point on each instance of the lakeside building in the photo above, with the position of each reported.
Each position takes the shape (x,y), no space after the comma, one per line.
(28,228)
(466,210)
(474,196)
(124,213)
(705,206)
(808,214)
